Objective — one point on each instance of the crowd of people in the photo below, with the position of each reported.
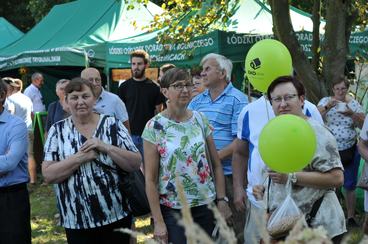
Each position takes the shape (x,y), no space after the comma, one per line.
(192,128)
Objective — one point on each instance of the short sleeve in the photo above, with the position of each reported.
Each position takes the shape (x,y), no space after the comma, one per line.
(149,132)
(243,132)
(124,139)
(51,145)
(356,107)
(327,155)
(238,106)
(323,102)
(122,113)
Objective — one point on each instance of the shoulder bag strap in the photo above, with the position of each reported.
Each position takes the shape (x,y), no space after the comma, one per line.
(313,212)
(207,151)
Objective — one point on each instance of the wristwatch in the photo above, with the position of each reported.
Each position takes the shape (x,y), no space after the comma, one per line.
(223,199)
(293,178)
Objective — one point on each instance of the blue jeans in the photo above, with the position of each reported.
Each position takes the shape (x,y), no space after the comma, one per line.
(138,142)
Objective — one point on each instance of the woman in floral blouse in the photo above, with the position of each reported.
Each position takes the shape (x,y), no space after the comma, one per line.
(174,146)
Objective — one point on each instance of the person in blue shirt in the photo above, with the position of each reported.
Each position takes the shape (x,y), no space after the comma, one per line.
(57,110)
(15,224)
(221,102)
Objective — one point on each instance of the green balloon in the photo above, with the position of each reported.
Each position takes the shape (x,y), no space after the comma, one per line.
(287,143)
(265,61)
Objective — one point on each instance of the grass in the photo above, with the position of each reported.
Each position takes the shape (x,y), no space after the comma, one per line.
(43,209)
(45,228)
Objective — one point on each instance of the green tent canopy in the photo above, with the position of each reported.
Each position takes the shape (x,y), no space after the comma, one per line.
(73,34)
(8,32)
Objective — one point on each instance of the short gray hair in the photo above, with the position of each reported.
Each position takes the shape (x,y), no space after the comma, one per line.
(36,76)
(223,62)
(62,81)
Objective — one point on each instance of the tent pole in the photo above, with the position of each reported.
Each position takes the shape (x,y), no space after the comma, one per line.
(108,81)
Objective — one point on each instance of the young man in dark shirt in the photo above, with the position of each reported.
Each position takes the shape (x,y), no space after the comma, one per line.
(141,96)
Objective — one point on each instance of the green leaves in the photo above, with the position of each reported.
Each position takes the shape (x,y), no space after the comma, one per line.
(187,19)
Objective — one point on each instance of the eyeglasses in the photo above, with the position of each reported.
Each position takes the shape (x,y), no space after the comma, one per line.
(180,87)
(340,89)
(286,98)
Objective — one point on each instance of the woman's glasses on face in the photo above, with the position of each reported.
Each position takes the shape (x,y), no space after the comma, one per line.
(180,87)
(286,98)
(341,89)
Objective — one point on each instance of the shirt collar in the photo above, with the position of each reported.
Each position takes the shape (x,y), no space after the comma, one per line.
(102,95)
(225,91)
(34,86)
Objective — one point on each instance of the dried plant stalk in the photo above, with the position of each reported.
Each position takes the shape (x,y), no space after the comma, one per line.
(193,232)
(135,234)
(225,231)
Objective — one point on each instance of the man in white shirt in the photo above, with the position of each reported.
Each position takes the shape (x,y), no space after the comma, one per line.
(23,108)
(34,93)
(106,102)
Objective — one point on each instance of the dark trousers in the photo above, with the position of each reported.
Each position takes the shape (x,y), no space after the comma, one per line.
(15,225)
(106,234)
(201,216)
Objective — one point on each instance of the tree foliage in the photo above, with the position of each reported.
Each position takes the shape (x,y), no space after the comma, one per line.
(185,19)
(16,12)
(40,8)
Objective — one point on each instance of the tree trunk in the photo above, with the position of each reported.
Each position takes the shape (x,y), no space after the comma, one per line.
(316,18)
(335,42)
(284,32)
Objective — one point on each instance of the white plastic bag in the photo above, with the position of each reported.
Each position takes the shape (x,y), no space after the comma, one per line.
(283,219)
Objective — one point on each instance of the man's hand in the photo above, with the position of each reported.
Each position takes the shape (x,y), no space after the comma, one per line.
(225,211)
(240,199)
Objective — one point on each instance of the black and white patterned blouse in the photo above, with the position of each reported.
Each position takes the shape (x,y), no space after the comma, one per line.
(90,197)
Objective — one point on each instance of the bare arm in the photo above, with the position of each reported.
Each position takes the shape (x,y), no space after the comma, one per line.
(239,165)
(56,172)
(219,178)
(227,151)
(151,176)
(127,160)
(330,179)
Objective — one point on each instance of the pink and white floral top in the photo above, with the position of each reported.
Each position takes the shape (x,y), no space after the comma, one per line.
(181,148)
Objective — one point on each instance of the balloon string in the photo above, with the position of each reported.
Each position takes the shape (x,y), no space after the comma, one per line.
(266,101)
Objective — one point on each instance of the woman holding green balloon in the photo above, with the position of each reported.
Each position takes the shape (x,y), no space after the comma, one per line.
(319,173)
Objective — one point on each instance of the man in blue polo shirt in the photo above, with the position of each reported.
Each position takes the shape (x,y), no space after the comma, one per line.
(221,102)
(15,224)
